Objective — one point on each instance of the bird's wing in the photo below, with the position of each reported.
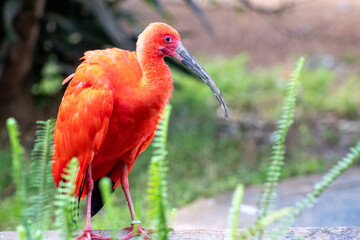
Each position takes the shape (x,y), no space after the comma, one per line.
(81,128)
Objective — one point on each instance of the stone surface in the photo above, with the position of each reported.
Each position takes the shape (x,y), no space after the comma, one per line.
(338,233)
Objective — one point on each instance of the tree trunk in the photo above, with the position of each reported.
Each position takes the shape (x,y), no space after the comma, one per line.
(15,89)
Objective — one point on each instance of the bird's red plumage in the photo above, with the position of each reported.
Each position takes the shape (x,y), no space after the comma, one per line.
(109,114)
(111,110)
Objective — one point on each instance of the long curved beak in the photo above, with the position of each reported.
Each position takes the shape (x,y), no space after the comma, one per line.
(182,55)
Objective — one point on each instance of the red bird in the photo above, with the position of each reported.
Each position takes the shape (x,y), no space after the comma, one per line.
(110,112)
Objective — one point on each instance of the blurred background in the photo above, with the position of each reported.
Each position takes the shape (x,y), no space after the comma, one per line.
(249,47)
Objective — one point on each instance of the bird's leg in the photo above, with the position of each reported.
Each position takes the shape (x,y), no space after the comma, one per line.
(87,233)
(135,228)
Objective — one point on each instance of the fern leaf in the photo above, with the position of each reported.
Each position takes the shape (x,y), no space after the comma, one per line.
(311,198)
(259,226)
(18,166)
(278,150)
(40,178)
(64,199)
(26,230)
(234,211)
(157,188)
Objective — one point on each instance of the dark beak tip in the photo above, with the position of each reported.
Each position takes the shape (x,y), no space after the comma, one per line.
(223,111)
(226,114)
(182,55)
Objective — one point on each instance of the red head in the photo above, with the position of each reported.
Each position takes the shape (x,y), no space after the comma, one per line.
(159,40)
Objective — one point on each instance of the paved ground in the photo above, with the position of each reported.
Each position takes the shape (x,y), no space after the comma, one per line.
(338,206)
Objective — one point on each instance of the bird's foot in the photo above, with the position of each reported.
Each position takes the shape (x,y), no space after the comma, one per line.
(89,235)
(137,230)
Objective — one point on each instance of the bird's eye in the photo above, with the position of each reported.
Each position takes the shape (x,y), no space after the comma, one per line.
(168,39)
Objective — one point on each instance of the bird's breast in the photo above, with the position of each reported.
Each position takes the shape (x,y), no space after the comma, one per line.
(129,129)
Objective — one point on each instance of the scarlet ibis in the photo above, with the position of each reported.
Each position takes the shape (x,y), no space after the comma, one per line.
(110,111)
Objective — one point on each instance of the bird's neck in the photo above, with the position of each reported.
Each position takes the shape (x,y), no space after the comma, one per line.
(157,80)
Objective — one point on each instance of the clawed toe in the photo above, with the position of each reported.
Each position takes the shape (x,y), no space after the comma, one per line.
(140,232)
(89,235)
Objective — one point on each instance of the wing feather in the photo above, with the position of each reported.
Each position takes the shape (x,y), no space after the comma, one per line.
(81,128)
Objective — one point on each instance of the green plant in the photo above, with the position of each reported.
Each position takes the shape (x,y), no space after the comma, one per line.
(287,216)
(262,224)
(273,172)
(157,187)
(18,166)
(25,229)
(278,148)
(50,78)
(234,211)
(64,201)
(33,189)
(310,199)
(40,177)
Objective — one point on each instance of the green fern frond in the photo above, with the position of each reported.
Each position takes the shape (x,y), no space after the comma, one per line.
(18,166)
(29,232)
(320,187)
(25,230)
(64,200)
(22,233)
(40,178)
(278,149)
(157,188)
(260,226)
(234,211)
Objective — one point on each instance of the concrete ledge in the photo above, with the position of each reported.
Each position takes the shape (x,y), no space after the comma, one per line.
(323,233)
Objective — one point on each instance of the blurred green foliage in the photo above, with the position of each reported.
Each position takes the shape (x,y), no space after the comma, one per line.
(50,79)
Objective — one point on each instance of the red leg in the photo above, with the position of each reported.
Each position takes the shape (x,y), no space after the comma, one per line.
(87,233)
(135,223)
